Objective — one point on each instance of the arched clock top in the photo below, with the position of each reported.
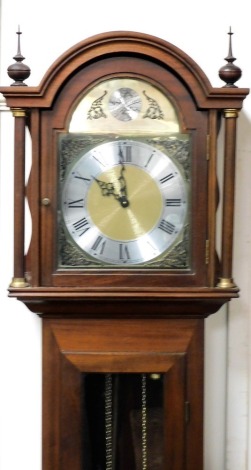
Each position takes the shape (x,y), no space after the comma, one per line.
(114,44)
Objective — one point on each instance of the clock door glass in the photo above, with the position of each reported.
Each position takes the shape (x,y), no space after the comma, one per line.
(123,420)
(123,202)
(124,180)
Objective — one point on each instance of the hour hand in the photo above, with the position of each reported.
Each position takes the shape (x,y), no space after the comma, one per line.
(107,189)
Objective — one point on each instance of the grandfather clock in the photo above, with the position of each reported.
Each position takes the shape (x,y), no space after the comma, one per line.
(122,265)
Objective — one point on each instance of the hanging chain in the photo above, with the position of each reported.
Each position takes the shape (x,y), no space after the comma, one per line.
(144,423)
(108,421)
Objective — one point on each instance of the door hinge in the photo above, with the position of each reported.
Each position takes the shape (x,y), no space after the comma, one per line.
(207,252)
(187,411)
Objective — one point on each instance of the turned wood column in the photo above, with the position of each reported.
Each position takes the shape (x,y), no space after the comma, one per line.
(226,280)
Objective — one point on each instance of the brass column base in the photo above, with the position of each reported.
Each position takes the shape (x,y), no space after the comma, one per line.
(226,283)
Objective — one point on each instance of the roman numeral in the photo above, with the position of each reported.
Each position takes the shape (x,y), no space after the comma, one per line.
(81,226)
(123,252)
(99,245)
(167,226)
(76,204)
(149,159)
(128,154)
(125,154)
(173,202)
(166,178)
(97,160)
(81,178)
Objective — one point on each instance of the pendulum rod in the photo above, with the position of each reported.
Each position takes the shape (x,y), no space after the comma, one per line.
(144,423)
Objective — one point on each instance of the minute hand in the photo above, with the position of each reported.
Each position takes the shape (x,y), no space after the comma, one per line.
(108,189)
(122,181)
(123,189)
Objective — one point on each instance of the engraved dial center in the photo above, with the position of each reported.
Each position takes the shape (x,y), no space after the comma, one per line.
(139,217)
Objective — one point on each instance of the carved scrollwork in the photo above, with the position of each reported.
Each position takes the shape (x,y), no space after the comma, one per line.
(71,147)
(96,109)
(154,110)
(70,256)
(178,149)
(178,257)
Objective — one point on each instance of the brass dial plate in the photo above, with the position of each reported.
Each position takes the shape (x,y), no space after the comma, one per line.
(124,202)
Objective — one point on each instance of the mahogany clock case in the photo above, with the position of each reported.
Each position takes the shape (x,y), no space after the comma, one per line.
(51,105)
(123,320)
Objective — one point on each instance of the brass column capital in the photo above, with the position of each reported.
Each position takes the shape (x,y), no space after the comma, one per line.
(231,113)
(18,112)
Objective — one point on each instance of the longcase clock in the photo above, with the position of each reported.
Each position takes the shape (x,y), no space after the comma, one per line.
(122,265)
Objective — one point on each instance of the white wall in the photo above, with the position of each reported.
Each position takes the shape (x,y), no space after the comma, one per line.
(200,29)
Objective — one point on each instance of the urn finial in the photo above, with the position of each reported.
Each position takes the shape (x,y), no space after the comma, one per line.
(18,71)
(230,73)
